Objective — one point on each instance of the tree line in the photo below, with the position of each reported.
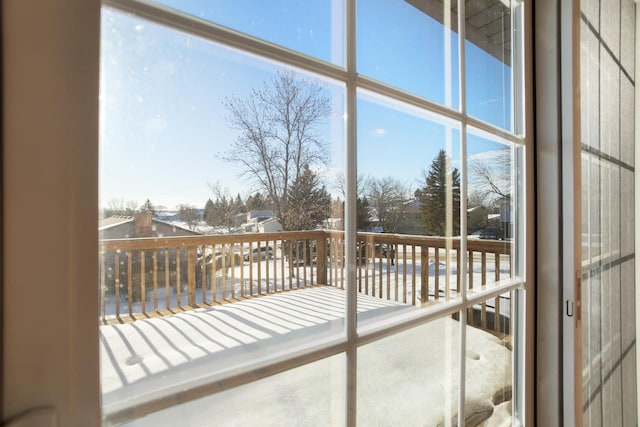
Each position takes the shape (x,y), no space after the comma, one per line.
(279,151)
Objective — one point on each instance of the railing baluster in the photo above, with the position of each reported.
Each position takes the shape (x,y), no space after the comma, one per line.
(497,273)
(340,263)
(321,261)
(250,256)
(214,272)
(282,257)
(103,286)
(143,290)
(414,285)
(447,272)
(232,253)
(404,273)
(496,322)
(155,279)
(380,275)
(191,275)
(275,266)
(243,292)
(167,294)
(394,260)
(223,270)
(259,268)
(203,273)
(298,261)
(130,282)
(388,262)
(293,260)
(484,268)
(178,278)
(117,283)
(307,260)
(424,274)
(458,261)
(436,263)
(470,272)
(266,263)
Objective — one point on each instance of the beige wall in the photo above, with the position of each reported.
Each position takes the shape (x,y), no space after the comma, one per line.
(50,179)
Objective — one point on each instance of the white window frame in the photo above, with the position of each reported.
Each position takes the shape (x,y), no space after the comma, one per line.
(77,262)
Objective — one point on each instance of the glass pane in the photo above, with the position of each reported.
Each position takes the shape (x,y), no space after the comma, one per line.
(408,203)
(312,394)
(491,214)
(489,369)
(410,45)
(221,167)
(412,378)
(488,61)
(312,27)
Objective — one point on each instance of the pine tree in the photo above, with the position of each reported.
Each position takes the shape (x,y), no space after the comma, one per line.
(363,214)
(147,206)
(440,179)
(256,203)
(308,203)
(209,212)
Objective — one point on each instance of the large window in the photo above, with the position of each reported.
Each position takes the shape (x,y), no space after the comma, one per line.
(312,212)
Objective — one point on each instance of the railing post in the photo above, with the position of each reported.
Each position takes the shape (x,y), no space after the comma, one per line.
(191,274)
(321,260)
(424,276)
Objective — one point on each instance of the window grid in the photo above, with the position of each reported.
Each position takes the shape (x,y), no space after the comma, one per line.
(357,336)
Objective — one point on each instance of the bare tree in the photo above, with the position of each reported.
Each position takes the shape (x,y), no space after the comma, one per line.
(222,212)
(120,206)
(279,134)
(188,214)
(490,175)
(387,197)
(340,184)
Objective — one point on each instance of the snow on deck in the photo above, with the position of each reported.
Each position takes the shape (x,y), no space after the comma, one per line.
(406,379)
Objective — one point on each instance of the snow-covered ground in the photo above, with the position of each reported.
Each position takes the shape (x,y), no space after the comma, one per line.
(408,379)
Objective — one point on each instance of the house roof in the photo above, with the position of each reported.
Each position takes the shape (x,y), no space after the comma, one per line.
(113,221)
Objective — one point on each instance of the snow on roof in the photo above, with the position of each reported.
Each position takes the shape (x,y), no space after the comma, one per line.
(112,221)
(180,225)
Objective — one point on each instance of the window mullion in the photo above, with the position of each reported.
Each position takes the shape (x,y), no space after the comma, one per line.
(463,212)
(350,213)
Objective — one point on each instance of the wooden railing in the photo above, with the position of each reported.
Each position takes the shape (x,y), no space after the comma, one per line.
(155,276)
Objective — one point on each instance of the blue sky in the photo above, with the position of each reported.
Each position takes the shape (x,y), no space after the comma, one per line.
(163,126)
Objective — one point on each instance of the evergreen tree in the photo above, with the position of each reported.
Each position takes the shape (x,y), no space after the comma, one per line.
(440,179)
(209,212)
(147,206)
(308,202)
(363,214)
(238,205)
(256,203)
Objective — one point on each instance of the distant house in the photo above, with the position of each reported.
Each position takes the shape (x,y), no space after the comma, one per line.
(261,221)
(333,224)
(408,217)
(270,225)
(477,218)
(141,224)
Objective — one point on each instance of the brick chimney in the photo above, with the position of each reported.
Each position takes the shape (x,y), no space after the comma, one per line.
(143,224)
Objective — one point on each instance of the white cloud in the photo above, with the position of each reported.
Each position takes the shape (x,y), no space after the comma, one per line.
(378,132)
